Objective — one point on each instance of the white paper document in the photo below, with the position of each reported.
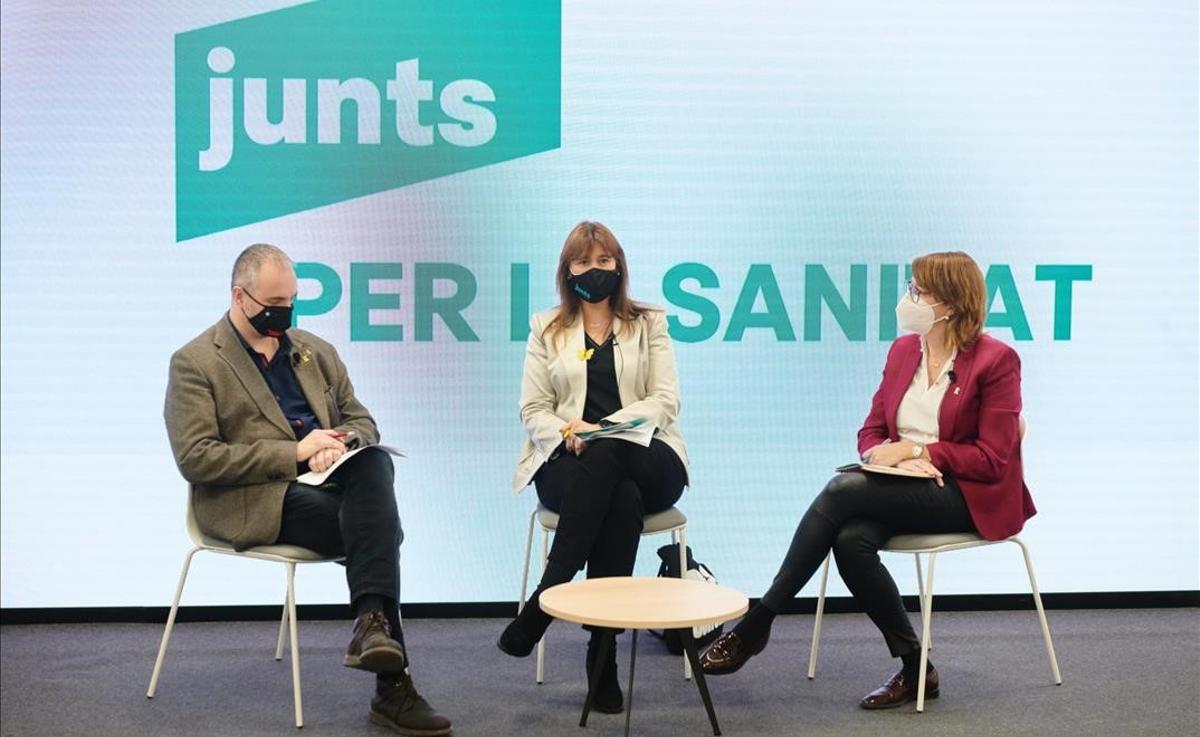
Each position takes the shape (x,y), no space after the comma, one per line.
(312,478)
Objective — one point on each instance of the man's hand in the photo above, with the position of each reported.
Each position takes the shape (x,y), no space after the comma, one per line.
(323,459)
(921,465)
(318,440)
(574,444)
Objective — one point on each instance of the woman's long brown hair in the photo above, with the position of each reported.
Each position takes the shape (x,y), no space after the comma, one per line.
(579,242)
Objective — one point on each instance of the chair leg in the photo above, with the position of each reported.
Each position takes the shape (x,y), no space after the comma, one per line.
(399,596)
(541,646)
(687,666)
(816,635)
(295,644)
(682,551)
(283,622)
(1041,612)
(528,555)
(166,637)
(921,591)
(926,616)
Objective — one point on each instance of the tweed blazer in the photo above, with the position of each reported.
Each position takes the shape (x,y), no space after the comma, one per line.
(231,440)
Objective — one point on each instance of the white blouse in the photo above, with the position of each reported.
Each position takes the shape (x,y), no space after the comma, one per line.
(917,417)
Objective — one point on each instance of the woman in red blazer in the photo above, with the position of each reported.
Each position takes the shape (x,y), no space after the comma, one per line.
(948,407)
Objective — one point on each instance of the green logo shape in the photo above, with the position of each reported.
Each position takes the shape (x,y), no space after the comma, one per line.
(332,100)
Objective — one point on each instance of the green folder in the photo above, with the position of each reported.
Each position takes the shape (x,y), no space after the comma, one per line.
(611,429)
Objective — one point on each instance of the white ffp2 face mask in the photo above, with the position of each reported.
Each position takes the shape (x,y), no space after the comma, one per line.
(916,317)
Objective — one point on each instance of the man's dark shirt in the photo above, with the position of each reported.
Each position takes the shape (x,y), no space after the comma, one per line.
(281,378)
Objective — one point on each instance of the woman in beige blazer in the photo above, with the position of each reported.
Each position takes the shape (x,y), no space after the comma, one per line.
(599,358)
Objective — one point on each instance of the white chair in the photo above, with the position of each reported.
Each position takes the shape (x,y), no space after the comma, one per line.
(932,545)
(669,520)
(288,555)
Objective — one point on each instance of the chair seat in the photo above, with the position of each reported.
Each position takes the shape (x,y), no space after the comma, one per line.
(668,519)
(268,552)
(927,543)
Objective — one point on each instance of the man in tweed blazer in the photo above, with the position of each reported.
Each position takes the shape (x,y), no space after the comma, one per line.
(251,404)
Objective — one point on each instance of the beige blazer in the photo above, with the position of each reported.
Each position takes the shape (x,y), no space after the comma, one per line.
(231,440)
(554,386)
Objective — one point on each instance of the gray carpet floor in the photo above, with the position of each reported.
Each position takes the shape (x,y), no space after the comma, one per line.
(1126,672)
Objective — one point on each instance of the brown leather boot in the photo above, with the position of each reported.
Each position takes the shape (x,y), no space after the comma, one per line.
(372,647)
(399,707)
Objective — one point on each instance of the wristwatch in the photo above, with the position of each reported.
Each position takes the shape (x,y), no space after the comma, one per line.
(918,450)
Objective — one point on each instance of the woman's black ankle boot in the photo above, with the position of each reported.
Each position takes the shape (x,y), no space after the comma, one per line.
(522,634)
(608,697)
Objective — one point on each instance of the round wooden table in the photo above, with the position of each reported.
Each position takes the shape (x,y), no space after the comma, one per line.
(627,602)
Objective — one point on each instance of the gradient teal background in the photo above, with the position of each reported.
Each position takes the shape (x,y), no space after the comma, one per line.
(781,133)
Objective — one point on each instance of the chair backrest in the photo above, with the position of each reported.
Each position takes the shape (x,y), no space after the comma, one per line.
(193,527)
(1022,429)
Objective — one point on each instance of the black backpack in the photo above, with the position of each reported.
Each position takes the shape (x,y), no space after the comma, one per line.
(669,568)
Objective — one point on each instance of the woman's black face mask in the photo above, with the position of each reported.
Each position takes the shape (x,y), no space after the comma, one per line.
(595,285)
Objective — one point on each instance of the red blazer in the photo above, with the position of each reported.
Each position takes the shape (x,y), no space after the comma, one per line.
(979,439)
